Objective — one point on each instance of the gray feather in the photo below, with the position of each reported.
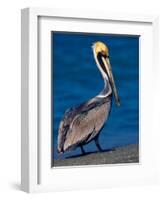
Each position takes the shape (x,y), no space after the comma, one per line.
(80,125)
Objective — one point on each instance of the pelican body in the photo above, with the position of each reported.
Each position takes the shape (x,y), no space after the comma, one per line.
(82,124)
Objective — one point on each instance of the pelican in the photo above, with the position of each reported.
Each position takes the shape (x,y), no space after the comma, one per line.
(82,124)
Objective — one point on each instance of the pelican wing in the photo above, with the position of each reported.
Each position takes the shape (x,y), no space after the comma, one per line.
(69,117)
(86,125)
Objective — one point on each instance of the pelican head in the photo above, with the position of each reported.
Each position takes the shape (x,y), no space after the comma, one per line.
(100,47)
(101,55)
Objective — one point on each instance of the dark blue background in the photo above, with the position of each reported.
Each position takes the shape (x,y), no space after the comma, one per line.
(77,79)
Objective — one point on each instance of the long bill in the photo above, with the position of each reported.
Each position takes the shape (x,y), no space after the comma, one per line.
(111,78)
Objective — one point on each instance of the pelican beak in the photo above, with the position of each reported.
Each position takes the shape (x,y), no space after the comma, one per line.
(111,78)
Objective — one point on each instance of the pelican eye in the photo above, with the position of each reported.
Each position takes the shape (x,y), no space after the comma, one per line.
(105,54)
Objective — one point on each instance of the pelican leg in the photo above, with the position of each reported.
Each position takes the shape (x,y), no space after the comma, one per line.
(82,149)
(97,143)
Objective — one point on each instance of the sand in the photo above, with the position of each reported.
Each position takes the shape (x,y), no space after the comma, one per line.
(119,155)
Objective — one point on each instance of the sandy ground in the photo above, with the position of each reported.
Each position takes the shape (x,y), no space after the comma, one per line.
(125,154)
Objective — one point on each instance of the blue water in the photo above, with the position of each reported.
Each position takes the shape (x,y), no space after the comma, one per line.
(77,79)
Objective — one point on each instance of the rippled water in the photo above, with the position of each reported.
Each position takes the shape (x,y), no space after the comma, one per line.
(77,79)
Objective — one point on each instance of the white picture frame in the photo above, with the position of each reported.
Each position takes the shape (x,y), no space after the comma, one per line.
(37,173)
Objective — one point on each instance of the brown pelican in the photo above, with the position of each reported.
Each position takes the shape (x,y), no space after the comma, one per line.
(82,124)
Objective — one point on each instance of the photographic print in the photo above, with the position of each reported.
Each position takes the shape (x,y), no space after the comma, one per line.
(95,99)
